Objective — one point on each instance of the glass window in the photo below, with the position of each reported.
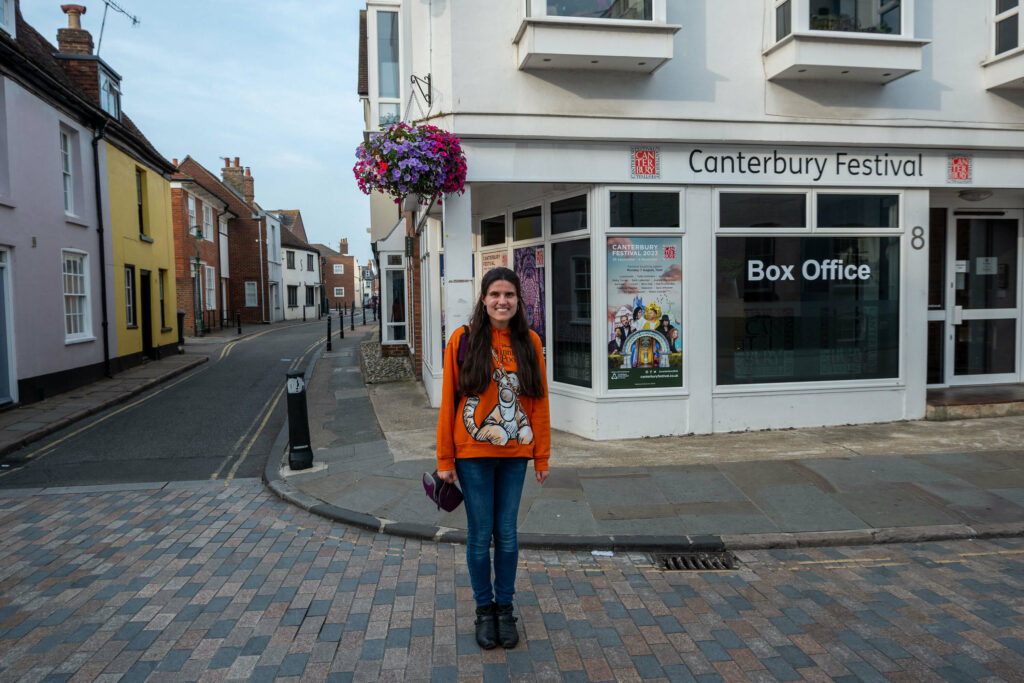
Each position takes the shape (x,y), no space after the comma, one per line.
(389,112)
(208,223)
(65,166)
(250,294)
(161,284)
(862,16)
(526,224)
(309,262)
(339,268)
(140,193)
(339,291)
(858,211)
(762,210)
(492,231)
(936,260)
(293,296)
(645,296)
(644,210)
(309,295)
(396,309)
(570,285)
(210,274)
(1005,5)
(110,94)
(394,259)
(192,216)
(783,20)
(289,257)
(129,296)
(804,309)
(1006,34)
(569,214)
(76,295)
(387,55)
(601,9)
(528,264)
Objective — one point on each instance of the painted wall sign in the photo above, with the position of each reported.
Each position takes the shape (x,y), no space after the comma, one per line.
(645,163)
(960,167)
(806,168)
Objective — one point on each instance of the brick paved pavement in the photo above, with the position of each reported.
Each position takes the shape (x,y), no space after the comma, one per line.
(202,581)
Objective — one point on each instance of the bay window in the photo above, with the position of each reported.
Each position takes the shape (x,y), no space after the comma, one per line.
(389,88)
(1007,26)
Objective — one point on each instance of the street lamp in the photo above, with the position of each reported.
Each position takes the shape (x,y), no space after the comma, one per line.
(197,232)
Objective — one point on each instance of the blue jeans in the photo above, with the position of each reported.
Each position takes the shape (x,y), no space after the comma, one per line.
(491,488)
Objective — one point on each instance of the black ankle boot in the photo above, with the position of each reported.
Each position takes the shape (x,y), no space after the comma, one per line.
(508,635)
(486,636)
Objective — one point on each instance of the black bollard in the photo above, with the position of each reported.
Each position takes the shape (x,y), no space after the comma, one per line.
(238,319)
(341,325)
(364,315)
(328,333)
(353,315)
(303,314)
(300,454)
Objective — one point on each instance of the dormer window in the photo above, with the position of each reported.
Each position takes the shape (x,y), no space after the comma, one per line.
(7,17)
(110,93)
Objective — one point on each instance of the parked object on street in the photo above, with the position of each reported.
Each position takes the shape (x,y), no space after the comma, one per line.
(300,454)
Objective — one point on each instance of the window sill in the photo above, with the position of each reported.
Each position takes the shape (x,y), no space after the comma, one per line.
(843,57)
(545,43)
(1005,71)
(72,219)
(131,327)
(78,340)
(145,238)
(165,330)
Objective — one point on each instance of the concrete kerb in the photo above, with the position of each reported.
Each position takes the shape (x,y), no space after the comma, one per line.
(697,543)
(70,419)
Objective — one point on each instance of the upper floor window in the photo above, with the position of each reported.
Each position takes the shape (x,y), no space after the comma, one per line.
(601,9)
(1007,25)
(66,167)
(208,222)
(339,268)
(847,16)
(389,91)
(192,216)
(140,198)
(110,94)
(309,262)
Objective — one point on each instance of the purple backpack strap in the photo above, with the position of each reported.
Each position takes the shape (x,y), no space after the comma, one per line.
(461,355)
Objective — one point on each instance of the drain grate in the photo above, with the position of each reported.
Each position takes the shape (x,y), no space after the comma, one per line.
(696,561)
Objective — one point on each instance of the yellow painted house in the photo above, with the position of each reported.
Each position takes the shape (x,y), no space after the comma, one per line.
(142,250)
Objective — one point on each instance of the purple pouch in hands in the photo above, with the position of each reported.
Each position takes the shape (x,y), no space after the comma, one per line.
(446,496)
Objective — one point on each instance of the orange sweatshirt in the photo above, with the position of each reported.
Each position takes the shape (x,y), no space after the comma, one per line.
(497,423)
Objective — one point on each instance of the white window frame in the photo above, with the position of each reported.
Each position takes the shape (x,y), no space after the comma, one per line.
(251,295)
(800,23)
(539,9)
(67,167)
(129,297)
(83,314)
(207,222)
(339,268)
(191,215)
(339,291)
(575,261)
(7,23)
(1003,16)
(374,66)
(110,94)
(210,287)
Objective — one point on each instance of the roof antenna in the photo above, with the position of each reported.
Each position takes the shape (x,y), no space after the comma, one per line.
(107,4)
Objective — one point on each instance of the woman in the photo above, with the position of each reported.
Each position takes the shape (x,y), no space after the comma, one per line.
(493,418)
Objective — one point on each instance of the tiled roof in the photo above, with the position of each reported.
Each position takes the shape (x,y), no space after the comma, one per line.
(289,239)
(212,183)
(364,74)
(292,219)
(326,250)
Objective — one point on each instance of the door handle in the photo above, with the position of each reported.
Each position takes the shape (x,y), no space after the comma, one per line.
(958,315)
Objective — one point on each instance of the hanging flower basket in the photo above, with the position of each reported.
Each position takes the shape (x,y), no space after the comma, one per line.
(402,161)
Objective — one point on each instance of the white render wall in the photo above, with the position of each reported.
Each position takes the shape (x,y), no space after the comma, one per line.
(301,277)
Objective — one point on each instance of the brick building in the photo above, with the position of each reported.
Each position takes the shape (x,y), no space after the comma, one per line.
(195,206)
(342,275)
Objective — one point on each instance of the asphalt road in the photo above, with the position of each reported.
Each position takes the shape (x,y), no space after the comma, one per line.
(204,581)
(217,422)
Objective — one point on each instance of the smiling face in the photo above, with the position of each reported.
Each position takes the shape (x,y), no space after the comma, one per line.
(500,302)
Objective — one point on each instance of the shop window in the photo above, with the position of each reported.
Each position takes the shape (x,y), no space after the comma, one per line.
(644,210)
(936,259)
(762,210)
(644,315)
(807,308)
(601,9)
(528,264)
(492,231)
(293,296)
(859,16)
(570,280)
(568,215)
(858,211)
(527,224)
(1007,33)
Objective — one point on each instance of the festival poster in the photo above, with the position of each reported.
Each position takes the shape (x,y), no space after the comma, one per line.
(528,263)
(493,259)
(645,282)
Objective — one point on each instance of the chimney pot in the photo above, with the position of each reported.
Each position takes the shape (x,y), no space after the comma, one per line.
(175,162)
(247,173)
(74,13)
(236,162)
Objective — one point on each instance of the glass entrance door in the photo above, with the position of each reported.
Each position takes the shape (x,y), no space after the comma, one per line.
(983,321)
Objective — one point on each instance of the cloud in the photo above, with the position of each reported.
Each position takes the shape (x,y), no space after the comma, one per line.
(672,274)
(627,287)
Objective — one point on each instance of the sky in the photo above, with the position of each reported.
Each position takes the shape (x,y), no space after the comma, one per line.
(272,82)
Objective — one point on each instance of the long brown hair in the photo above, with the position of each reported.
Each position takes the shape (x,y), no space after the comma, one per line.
(475,373)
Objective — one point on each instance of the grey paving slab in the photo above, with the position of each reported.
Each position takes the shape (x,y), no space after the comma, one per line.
(693,485)
(801,507)
(559,517)
(894,505)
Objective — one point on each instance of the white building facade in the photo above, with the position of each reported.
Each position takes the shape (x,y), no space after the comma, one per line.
(729,214)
